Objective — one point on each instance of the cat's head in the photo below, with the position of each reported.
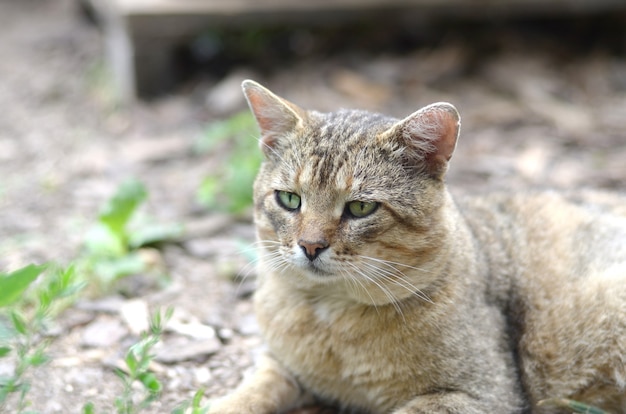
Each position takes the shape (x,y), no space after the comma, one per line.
(352,199)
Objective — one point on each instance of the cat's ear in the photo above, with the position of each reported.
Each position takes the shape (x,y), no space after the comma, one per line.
(275,116)
(429,137)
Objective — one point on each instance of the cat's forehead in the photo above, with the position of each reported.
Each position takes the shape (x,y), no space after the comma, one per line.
(343,127)
(338,152)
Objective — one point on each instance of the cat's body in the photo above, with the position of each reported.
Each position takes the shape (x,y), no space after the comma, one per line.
(380,292)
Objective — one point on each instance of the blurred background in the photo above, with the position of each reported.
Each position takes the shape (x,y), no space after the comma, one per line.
(126,149)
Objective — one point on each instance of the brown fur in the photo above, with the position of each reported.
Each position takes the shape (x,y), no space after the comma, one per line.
(430,304)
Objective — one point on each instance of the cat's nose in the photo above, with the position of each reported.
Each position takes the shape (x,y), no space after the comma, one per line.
(313,249)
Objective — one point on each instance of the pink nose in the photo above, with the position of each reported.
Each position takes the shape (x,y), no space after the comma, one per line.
(313,249)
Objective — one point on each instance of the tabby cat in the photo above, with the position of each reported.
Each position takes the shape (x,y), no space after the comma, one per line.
(381,293)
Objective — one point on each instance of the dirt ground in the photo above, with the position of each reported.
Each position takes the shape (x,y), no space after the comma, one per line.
(543,105)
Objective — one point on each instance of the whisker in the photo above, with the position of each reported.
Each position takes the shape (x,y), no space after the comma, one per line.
(393,275)
(273,258)
(397,278)
(356,283)
(260,244)
(390,263)
(256,247)
(383,289)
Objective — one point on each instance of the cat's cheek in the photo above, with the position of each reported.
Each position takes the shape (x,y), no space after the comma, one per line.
(275,218)
(362,232)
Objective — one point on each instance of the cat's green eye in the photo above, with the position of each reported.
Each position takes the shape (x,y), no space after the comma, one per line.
(360,209)
(287,200)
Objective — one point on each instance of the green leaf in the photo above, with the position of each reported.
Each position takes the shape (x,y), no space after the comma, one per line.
(44,299)
(89,408)
(131,363)
(122,206)
(19,323)
(5,388)
(196,408)
(150,382)
(231,189)
(197,398)
(113,269)
(12,285)
(208,191)
(169,312)
(239,184)
(576,406)
(4,351)
(66,284)
(39,357)
(156,325)
(102,241)
(121,374)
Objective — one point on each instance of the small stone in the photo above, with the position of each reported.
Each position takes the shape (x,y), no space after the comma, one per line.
(54,407)
(193,330)
(202,375)
(109,304)
(226,334)
(136,316)
(103,332)
(181,349)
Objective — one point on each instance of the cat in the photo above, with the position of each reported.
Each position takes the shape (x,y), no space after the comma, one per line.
(378,292)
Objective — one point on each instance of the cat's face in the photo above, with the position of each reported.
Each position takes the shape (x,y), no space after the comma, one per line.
(341,202)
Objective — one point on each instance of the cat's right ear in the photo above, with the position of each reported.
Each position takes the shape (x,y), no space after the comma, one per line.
(275,116)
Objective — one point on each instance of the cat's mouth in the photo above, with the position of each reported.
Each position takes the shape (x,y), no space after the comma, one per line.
(316,270)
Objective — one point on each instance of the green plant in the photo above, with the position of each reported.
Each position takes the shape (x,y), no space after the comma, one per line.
(26,308)
(575,406)
(113,245)
(237,158)
(137,361)
(137,370)
(31,297)
(194,406)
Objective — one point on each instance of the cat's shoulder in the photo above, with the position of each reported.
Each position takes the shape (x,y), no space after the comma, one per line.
(585,201)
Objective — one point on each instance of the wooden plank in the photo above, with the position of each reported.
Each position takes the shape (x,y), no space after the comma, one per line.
(142,34)
(231,7)
(237,7)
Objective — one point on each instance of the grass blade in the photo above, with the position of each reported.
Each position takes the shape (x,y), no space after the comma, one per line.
(12,285)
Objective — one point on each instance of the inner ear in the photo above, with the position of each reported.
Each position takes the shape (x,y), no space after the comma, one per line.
(429,137)
(275,116)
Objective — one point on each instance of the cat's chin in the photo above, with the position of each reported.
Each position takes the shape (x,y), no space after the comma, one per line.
(317,272)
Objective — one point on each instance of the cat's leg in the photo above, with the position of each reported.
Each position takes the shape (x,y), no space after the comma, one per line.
(271,389)
(452,402)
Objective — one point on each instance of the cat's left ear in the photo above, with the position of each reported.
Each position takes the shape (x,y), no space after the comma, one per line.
(429,137)
(277,117)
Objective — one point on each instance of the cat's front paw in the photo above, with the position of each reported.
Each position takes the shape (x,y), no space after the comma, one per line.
(233,404)
(226,405)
